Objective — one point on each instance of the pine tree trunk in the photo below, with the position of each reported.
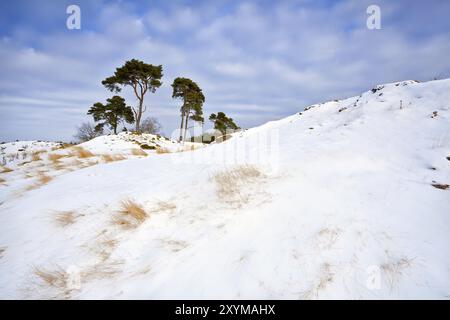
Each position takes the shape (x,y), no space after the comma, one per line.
(185,125)
(181,127)
(139,114)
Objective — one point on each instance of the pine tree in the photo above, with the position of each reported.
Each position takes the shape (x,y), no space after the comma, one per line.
(112,113)
(142,77)
(193,100)
(223,123)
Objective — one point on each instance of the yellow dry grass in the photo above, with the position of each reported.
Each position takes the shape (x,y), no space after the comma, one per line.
(163,206)
(5,169)
(81,153)
(65,218)
(138,152)
(119,157)
(54,157)
(131,214)
(112,157)
(2,180)
(230,182)
(161,150)
(55,278)
(36,156)
(240,185)
(107,158)
(42,179)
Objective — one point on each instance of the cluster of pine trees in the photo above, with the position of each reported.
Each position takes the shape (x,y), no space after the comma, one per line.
(144,78)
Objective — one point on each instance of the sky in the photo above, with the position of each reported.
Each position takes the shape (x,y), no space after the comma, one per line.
(255,60)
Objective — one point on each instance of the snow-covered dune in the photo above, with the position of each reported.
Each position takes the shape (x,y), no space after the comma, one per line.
(347,199)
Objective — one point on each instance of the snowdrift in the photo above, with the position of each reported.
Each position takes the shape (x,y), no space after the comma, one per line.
(346,199)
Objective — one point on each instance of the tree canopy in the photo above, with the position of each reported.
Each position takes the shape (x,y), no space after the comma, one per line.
(193,99)
(223,123)
(142,77)
(111,113)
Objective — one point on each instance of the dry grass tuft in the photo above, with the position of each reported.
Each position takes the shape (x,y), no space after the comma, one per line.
(6,169)
(107,158)
(119,157)
(66,218)
(43,178)
(54,157)
(234,186)
(56,280)
(59,284)
(138,152)
(163,206)
(162,150)
(395,269)
(81,153)
(57,165)
(2,180)
(327,237)
(101,271)
(112,158)
(131,215)
(326,277)
(36,156)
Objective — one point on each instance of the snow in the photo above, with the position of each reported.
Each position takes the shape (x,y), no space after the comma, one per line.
(335,202)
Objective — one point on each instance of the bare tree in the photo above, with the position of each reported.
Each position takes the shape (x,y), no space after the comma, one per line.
(151,125)
(87,131)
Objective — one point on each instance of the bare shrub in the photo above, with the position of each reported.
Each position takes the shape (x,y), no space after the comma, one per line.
(138,152)
(87,131)
(150,125)
(131,214)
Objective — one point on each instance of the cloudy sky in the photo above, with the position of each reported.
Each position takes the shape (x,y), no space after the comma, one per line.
(255,60)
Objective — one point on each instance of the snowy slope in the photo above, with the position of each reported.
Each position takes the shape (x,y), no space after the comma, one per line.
(335,202)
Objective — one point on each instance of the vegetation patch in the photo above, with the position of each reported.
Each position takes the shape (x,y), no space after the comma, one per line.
(147,147)
(66,218)
(440,186)
(236,186)
(138,152)
(81,153)
(5,169)
(131,214)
